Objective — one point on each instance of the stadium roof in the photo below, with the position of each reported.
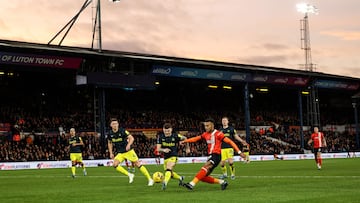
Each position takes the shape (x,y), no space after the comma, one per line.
(18,46)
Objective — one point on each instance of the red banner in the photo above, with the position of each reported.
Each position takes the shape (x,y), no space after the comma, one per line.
(281,80)
(40,60)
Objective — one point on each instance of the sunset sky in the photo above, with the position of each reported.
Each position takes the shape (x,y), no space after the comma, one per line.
(258,32)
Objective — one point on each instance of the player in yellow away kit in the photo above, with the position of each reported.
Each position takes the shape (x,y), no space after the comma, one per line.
(119,145)
(227,152)
(76,144)
(167,143)
(246,150)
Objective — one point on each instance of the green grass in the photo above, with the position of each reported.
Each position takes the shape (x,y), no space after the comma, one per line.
(266,181)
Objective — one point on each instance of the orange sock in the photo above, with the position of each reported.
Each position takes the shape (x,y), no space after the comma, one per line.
(320,161)
(200,175)
(210,179)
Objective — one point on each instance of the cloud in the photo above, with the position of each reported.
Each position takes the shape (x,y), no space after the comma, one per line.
(133,46)
(273,46)
(264,60)
(343,35)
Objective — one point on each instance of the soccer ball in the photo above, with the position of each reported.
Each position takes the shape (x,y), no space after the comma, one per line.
(158,177)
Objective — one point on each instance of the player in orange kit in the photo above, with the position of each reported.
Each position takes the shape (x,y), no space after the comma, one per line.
(213,138)
(319,142)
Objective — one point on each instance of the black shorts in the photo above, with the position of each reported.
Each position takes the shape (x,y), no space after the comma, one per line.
(316,150)
(215,160)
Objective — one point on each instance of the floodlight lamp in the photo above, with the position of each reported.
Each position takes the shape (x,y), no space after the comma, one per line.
(212,86)
(307,8)
(305,92)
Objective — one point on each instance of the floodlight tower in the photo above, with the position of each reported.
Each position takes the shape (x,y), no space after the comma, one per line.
(305,34)
(313,110)
(99,92)
(96,24)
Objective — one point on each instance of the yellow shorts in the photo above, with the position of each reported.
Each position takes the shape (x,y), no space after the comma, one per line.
(129,155)
(172,159)
(76,157)
(246,153)
(227,154)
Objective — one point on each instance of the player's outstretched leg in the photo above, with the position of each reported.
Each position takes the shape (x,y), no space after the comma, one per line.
(125,172)
(199,176)
(232,170)
(212,180)
(144,171)
(168,174)
(224,172)
(83,167)
(73,169)
(178,177)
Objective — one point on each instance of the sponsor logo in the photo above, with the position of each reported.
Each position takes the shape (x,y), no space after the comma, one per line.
(189,73)
(215,75)
(22,166)
(92,164)
(290,157)
(164,71)
(51,165)
(14,166)
(264,158)
(238,77)
(260,78)
(353,87)
(326,156)
(281,80)
(2,166)
(300,81)
(197,160)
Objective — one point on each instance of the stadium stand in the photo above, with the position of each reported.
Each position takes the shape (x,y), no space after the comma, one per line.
(40,99)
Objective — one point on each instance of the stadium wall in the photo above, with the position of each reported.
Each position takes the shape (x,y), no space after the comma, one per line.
(151,161)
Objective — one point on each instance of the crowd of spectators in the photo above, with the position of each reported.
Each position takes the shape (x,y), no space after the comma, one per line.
(47,143)
(55,147)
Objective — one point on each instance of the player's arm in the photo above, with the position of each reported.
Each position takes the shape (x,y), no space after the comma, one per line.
(310,141)
(130,141)
(324,141)
(158,146)
(193,139)
(233,145)
(78,143)
(238,138)
(110,148)
(187,146)
(81,143)
(159,149)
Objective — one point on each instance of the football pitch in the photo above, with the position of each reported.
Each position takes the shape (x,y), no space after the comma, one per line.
(263,181)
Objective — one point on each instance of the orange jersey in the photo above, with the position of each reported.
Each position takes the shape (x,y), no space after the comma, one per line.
(213,141)
(318,139)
